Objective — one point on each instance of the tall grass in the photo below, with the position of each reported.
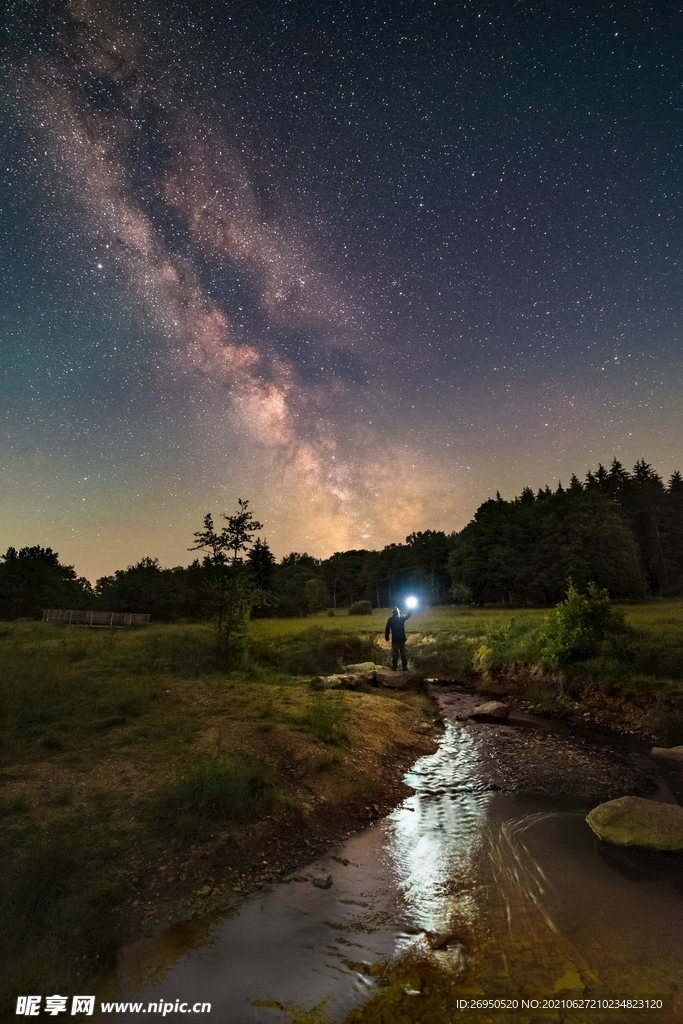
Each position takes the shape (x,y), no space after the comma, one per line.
(323,718)
(54,903)
(312,651)
(218,789)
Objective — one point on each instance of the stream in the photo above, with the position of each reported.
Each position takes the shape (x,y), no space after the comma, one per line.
(466,891)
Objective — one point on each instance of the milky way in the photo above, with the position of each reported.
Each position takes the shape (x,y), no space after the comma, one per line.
(361,265)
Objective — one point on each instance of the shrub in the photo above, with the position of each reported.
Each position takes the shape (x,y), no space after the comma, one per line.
(671,729)
(583,626)
(348,649)
(360,608)
(516,641)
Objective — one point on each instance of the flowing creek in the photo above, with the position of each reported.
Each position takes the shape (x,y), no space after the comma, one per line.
(465,890)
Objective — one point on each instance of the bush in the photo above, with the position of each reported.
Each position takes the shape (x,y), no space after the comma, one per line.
(583,626)
(516,641)
(360,608)
(348,649)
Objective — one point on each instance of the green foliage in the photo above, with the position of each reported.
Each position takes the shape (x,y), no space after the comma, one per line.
(461,593)
(229,588)
(583,626)
(315,594)
(523,551)
(53,909)
(165,594)
(33,579)
(218,789)
(323,718)
(297,586)
(360,608)
(517,641)
(312,651)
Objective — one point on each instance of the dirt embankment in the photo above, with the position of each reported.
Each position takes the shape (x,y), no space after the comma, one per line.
(324,794)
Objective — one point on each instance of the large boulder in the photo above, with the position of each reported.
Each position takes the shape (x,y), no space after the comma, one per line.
(491,711)
(634,821)
(674,755)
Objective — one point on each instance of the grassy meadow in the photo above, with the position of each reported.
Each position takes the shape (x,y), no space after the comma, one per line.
(125,754)
(128,761)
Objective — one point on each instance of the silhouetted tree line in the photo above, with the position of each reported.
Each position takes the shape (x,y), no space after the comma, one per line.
(623,531)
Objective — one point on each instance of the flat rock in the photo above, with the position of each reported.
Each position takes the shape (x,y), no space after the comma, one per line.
(672,754)
(398,680)
(491,711)
(634,821)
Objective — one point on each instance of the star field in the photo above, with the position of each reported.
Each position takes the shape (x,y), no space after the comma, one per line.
(364,264)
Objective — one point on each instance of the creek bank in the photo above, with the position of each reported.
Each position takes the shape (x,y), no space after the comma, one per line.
(586,710)
(527,754)
(320,804)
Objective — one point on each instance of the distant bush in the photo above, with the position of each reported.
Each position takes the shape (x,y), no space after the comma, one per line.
(360,608)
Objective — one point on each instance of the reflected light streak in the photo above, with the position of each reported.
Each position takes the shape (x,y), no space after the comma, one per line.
(437,833)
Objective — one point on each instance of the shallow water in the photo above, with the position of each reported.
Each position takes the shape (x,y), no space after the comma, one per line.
(460,892)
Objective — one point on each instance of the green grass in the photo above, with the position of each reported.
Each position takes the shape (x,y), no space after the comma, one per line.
(73,701)
(323,718)
(54,905)
(218,789)
(652,660)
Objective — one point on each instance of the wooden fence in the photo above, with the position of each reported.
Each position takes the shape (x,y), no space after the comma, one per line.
(101,620)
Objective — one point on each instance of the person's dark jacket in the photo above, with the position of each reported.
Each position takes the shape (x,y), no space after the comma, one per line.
(396,625)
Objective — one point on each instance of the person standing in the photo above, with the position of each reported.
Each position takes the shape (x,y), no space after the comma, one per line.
(396,625)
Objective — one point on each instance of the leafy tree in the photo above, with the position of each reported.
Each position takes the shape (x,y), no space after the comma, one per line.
(524,551)
(289,583)
(261,561)
(315,594)
(165,594)
(33,578)
(230,590)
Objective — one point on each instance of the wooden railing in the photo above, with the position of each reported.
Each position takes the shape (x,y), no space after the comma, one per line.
(103,620)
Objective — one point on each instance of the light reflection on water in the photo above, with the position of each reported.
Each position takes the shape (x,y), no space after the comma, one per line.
(436,834)
(460,890)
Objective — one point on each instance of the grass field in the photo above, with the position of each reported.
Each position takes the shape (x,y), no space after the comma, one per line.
(128,762)
(126,755)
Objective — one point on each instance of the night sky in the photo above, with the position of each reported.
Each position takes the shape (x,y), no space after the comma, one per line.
(361,263)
